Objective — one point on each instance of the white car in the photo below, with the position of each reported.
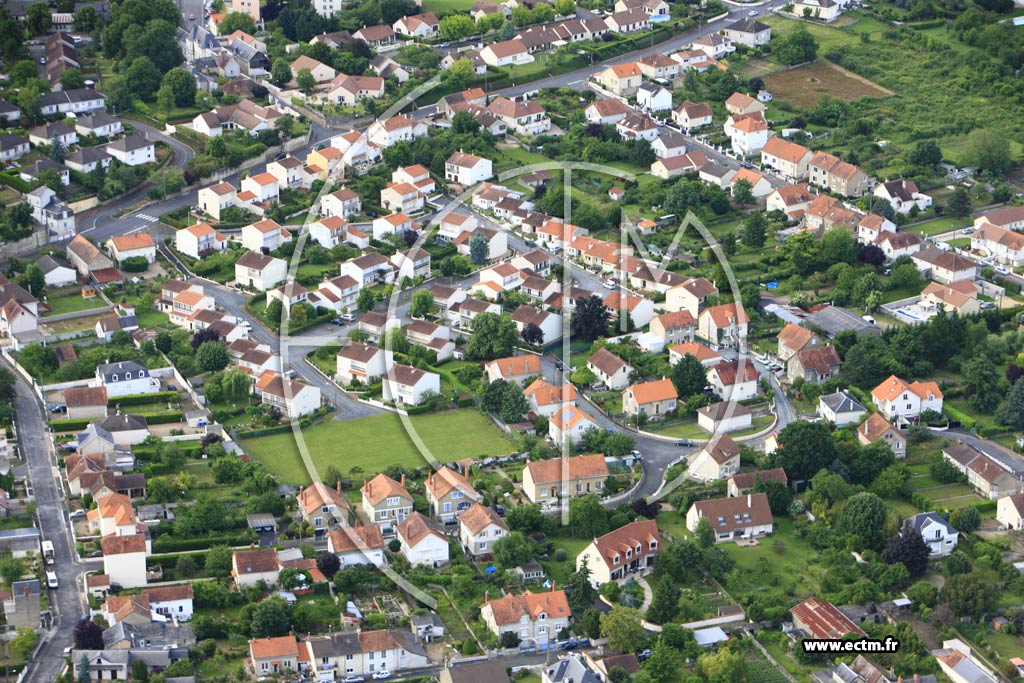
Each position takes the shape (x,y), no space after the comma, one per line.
(381,675)
(609,284)
(353,679)
(51,580)
(1003,270)
(752,13)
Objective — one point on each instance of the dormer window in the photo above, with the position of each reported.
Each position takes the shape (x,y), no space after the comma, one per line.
(128,375)
(543,616)
(113,377)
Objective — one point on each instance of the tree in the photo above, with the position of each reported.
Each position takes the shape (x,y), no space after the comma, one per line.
(87,19)
(143,77)
(72,79)
(218,561)
(689,376)
(513,404)
(165,99)
(797,47)
(212,356)
(908,549)
(1011,412)
(565,8)
(11,569)
(967,519)
(182,84)
(478,247)
(280,72)
(969,595)
(235,385)
(754,230)
(959,202)
(982,384)
(270,618)
(461,71)
(622,627)
(156,40)
(24,643)
(524,518)
(422,303)
(456,27)
(665,604)
(587,517)
(512,550)
(38,19)
(532,334)
(925,154)
(724,666)
(237,21)
(185,567)
(57,149)
(704,534)
(804,448)
(742,192)
(88,635)
(494,336)
(34,280)
(304,79)
(989,151)
(365,300)
(663,664)
(863,516)
(328,564)
(779,495)
(924,593)
(393,10)
(590,319)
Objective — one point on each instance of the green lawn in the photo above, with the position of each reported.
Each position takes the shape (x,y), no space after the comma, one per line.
(559,571)
(448,6)
(373,443)
(789,576)
(72,302)
(939,225)
(673,523)
(686,430)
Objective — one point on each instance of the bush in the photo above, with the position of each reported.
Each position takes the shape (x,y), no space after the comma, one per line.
(559,555)
(141,399)
(135,264)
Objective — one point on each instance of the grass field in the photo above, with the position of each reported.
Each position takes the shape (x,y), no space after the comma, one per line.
(802,86)
(789,574)
(448,6)
(373,443)
(72,303)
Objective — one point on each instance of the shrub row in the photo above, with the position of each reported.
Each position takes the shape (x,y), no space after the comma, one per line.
(142,399)
(170,544)
(163,418)
(69,425)
(968,423)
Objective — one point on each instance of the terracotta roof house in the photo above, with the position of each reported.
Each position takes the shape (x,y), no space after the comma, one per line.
(654,399)
(613,556)
(742,518)
(580,475)
(535,617)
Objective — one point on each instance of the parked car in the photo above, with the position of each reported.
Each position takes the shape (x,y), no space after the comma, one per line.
(752,13)
(347,317)
(1003,270)
(644,655)
(684,443)
(967,231)
(500,509)
(609,284)
(353,679)
(381,675)
(51,580)
(985,305)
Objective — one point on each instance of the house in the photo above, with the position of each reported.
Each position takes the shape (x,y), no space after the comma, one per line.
(86,159)
(51,213)
(826,212)
(658,66)
(321,72)
(734,380)
(902,195)
(743,483)
(626,550)
(652,399)
(402,198)
(1010,511)
(350,91)
(322,507)
(831,173)
(126,378)
(621,79)
(376,325)
(1009,218)
(513,369)
(937,532)
(13,147)
(362,362)
(385,502)
(272,656)
(363,654)
(841,408)
(22,604)
(152,604)
(674,328)
(652,97)
(214,199)
(406,385)
(259,271)
(610,370)
(671,167)
(960,297)
(744,517)
(568,477)
(547,399)
(76,101)
(341,203)
(416,175)
(199,240)
(630,21)
(690,295)
(893,244)
(357,545)
(992,478)
(720,458)
(814,365)
(739,104)
(749,32)
(897,399)
(378,37)
(506,53)
(401,128)
(423,541)
(536,618)
(1002,245)
(569,422)
(724,325)
(791,200)
(449,493)
(480,527)
(793,338)
(289,173)
(821,620)
(245,115)
(418,25)
(132,150)
(944,267)
(467,169)
(706,356)
(634,126)
(822,10)
(525,118)
(264,189)
(412,263)
(294,398)
(715,46)
(748,133)
(482,671)
(124,559)
(607,111)
(691,116)
(249,567)
(139,245)
(85,402)
(877,427)
(8,112)
(759,185)
(668,144)
(956,661)
(384,66)
(787,159)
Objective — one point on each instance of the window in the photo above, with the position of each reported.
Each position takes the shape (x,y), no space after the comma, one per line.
(127,375)
(264,666)
(447,507)
(114,378)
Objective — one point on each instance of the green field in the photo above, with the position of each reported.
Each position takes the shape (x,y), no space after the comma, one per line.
(72,303)
(447,6)
(792,574)
(373,443)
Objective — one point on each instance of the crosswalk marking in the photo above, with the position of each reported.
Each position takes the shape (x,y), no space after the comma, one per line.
(146,217)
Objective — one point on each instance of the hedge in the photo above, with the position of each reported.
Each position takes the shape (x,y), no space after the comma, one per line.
(170,544)
(279,429)
(191,449)
(15,182)
(69,425)
(968,423)
(142,399)
(163,418)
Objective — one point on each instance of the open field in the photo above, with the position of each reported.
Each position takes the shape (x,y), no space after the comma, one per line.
(373,443)
(72,302)
(803,85)
(439,6)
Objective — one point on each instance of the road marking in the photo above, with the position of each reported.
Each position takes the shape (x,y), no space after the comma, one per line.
(575,82)
(82,232)
(132,232)
(146,217)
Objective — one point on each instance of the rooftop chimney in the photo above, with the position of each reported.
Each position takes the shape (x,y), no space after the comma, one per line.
(337,486)
(403,479)
(749,498)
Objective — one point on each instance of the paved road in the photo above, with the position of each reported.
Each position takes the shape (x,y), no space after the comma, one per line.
(34,442)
